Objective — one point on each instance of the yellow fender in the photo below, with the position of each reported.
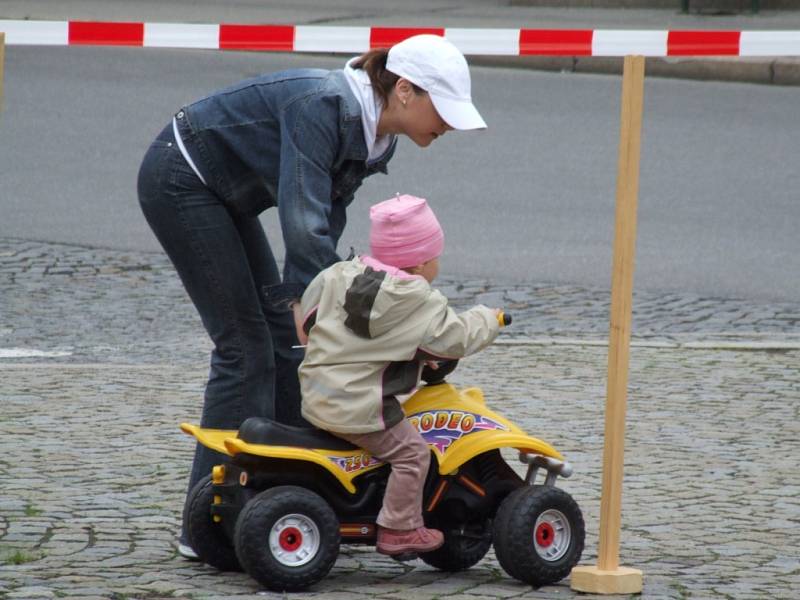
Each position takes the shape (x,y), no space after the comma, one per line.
(459,426)
(478,443)
(344,466)
(210,438)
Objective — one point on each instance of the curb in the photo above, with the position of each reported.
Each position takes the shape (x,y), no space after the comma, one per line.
(769,70)
(742,346)
(13,354)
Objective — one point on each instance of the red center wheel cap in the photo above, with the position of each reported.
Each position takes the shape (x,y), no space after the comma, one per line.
(290,539)
(545,534)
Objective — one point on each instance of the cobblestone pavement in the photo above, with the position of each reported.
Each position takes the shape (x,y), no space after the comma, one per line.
(111,306)
(94,468)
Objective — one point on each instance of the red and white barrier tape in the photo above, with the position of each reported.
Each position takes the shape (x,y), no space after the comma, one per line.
(353,40)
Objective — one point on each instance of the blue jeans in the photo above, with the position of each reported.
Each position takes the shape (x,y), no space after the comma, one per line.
(225,263)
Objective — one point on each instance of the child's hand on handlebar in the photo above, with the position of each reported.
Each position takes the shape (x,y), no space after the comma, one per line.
(503,318)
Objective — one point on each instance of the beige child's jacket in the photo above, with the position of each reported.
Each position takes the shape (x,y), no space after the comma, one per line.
(369,328)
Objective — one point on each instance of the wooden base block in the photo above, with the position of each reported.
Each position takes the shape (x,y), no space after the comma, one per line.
(623,580)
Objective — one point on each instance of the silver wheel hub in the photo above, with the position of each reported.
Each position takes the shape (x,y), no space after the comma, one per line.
(294,540)
(552,535)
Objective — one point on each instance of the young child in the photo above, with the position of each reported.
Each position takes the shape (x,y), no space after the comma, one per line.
(372,323)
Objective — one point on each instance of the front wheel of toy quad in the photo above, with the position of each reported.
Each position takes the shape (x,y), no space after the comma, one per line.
(538,534)
(463,546)
(206,537)
(287,538)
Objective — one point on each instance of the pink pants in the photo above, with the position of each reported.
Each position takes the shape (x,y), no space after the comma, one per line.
(402,447)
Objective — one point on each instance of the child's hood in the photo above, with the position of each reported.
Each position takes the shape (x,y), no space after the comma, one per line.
(381,297)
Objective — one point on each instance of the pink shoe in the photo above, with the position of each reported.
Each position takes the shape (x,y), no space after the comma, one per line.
(396,541)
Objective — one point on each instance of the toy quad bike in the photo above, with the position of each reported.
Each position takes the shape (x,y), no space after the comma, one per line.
(291,496)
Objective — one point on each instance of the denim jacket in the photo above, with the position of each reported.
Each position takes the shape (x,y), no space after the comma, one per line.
(294,140)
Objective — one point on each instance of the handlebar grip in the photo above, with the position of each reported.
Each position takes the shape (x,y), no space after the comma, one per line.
(504,319)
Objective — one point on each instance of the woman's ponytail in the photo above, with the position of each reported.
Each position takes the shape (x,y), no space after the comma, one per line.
(383,81)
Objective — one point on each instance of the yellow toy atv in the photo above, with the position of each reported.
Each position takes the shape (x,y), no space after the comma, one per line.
(290,496)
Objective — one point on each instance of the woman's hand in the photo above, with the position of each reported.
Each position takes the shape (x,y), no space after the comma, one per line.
(298,323)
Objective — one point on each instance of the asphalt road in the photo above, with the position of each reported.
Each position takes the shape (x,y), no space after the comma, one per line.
(529,200)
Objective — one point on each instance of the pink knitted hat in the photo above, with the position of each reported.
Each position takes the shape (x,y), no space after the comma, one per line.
(405,232)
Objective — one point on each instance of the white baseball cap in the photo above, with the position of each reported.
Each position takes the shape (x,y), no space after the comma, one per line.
(438,67)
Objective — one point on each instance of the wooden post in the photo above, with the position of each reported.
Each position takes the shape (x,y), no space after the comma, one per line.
(608,577)
(2,62)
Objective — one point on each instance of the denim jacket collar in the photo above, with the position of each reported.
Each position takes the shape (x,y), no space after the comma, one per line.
(350,118)
(351,126)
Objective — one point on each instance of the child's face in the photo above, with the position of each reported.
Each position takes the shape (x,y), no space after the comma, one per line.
(429,270)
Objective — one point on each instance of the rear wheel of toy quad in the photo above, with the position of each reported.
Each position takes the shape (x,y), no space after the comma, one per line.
(463,546)
(206,537)
(287,538)
(538,534)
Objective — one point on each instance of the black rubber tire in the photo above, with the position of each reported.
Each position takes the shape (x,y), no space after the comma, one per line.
(514,535)
(207,538)
(460,552)
(255,524)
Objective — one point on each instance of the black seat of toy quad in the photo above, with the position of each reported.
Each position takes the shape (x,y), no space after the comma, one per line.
(260,430)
